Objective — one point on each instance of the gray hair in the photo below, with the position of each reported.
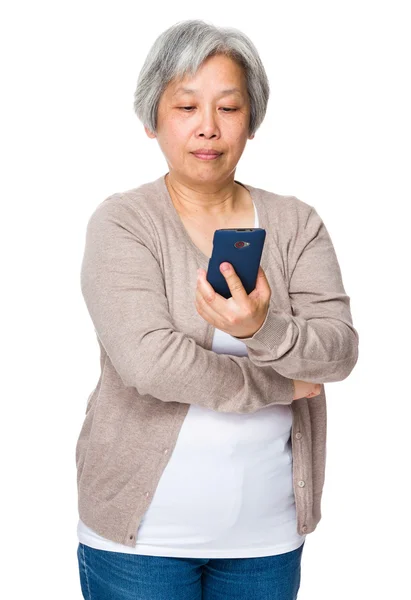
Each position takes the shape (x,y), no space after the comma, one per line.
(181,49)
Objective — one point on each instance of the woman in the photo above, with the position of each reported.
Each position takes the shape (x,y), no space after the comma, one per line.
(201,458)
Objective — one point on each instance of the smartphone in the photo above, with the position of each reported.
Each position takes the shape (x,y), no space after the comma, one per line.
(242,248)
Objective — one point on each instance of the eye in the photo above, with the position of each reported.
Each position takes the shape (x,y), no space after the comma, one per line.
(188,107)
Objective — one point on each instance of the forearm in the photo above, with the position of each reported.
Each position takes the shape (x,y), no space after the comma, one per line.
(317,350)
(317,342)
(172,367)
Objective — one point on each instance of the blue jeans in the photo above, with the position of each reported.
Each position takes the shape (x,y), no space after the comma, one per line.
(106,575)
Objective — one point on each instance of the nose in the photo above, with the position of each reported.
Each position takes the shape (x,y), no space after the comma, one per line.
(208,126)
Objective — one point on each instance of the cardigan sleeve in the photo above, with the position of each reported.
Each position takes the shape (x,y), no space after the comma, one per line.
(317,342)
(123,288)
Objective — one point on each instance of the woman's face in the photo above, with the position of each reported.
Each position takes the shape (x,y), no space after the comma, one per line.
(206,117)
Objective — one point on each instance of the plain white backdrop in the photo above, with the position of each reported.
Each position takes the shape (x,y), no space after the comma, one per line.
(336,135)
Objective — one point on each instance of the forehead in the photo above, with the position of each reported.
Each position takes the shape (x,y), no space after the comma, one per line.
(219,74)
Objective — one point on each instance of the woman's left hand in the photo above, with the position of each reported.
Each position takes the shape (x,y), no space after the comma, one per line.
(241,315)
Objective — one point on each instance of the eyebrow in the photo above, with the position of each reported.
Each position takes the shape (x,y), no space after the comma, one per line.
(184,90)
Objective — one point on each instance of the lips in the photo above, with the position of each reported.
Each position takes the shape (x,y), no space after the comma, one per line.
(205,152)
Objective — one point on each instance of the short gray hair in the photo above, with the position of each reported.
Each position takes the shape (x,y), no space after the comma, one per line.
(181,49)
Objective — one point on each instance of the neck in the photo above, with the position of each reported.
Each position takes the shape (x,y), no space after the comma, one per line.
(215,201)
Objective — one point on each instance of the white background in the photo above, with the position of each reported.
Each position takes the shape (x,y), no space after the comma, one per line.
(336,135)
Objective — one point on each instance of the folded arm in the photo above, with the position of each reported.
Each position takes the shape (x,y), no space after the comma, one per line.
(123,287)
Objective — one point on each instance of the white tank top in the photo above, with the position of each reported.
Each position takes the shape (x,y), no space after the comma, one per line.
(227,489)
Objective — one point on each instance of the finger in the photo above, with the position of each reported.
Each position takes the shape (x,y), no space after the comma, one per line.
(211,303)
(234,282)
(261,285)
(207,312)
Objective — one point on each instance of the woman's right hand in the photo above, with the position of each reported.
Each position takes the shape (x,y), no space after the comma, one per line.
(305,389)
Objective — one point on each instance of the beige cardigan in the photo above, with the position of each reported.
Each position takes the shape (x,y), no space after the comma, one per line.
(138,279)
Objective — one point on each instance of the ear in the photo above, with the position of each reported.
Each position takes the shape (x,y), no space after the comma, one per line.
(149,133)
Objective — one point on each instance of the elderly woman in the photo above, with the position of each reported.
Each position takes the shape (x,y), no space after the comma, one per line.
(201,458)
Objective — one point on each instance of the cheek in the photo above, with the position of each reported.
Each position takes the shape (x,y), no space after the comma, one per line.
(173,140)
(178,133)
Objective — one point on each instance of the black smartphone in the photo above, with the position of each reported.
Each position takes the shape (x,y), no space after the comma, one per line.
(242,248)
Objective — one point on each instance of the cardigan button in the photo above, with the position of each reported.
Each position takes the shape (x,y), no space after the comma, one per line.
(301,483)
(298,435)
(304,528)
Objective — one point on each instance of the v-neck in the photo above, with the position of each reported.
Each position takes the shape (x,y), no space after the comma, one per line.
(201,257)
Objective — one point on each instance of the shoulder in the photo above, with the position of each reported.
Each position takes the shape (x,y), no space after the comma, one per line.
(129,206)
(285,212)
(131,214)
